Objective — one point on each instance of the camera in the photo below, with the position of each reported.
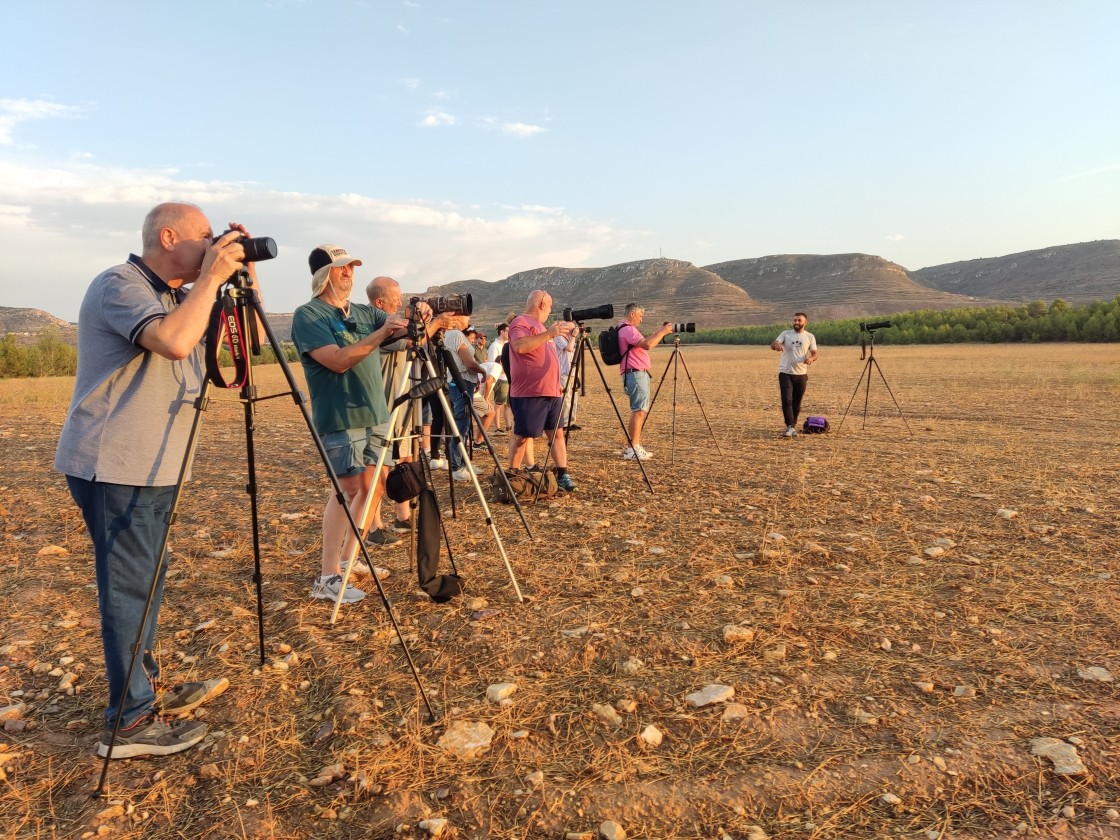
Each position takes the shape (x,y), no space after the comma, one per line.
(257,249)
(871,326)
(455,304)
(604,311)
(682,327)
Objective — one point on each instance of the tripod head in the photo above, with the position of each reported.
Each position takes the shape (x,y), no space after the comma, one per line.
(867,331)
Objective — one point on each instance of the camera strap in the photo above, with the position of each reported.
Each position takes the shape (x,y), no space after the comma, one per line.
(225,327)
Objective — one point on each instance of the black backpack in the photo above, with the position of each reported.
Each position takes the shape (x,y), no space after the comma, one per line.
(608,346)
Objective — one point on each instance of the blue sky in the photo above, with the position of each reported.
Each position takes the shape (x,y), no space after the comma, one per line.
(442,141)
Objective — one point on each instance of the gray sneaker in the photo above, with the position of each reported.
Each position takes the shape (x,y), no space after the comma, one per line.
(326,588)
(184,698)
(151,736)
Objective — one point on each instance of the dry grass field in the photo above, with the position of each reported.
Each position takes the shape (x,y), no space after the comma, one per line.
(899,616)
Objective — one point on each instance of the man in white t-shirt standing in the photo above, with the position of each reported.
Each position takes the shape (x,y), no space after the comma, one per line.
(798,347)
(502,414)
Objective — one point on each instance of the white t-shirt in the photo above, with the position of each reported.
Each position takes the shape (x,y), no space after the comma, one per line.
(494,354)
(796,348)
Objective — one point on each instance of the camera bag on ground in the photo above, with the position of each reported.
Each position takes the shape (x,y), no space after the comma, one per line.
(608,346)
(440,588)
(815,425)
(524,484)
(404,482)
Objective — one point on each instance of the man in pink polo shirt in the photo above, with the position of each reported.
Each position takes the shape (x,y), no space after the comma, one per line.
(635,349)
(534,389)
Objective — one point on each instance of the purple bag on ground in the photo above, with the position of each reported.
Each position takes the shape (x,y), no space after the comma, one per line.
(815,425)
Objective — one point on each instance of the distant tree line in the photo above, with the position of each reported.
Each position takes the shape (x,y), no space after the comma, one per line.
(1059,321)
(1037,321)
(51,356)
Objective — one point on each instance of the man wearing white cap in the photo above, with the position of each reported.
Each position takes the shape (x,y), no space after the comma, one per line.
(337,343)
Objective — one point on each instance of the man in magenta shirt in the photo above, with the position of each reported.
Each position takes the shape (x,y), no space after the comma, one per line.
(534,383)
(635,374)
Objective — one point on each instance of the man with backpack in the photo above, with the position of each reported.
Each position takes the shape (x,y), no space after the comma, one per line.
(634,349)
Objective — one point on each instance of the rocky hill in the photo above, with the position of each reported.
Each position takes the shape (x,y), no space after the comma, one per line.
(1078,273)
(763,290)
(28,324)
(670,290)
(834,286)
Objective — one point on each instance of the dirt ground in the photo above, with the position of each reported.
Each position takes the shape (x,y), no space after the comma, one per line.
(896,611)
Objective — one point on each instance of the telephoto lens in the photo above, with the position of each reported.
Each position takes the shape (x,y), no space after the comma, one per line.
(604,311)
(684,327)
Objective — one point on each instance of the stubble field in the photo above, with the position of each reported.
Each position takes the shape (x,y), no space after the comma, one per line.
(896,618)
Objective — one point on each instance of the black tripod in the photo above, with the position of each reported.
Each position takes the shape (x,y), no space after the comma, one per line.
(577,382)
(674,359)
(237,310)
(422,372)
(868,352)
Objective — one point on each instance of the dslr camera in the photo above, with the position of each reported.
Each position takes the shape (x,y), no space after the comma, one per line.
(684,327)
(455,304)
(604,311)
(257,249)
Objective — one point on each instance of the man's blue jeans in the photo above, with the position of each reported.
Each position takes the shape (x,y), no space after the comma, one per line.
(460,407)
(127,526)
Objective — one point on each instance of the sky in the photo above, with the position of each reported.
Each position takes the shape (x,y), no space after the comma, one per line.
(453,140)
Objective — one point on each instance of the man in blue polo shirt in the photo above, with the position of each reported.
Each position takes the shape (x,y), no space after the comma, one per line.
(123,446)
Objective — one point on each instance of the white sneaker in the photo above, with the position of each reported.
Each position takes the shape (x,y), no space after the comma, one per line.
(641,453)
(438,464)
(326,588)
(789,432)
(461,474)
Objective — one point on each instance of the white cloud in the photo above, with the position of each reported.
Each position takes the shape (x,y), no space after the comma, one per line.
(895,237)
(402,28)
(62,224)
(1088,173)
(517,129)
(522,129)
(410,83)
(540,208)
(16,111)
(433,119)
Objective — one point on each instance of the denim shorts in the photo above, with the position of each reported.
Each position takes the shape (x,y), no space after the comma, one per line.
(351,451)
(635,384)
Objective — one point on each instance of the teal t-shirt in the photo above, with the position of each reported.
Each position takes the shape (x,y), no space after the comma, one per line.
(339,401)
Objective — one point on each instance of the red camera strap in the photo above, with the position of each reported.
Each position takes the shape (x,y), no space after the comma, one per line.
(225,327)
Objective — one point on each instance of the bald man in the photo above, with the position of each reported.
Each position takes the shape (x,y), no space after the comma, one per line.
(139,330)
(535,394)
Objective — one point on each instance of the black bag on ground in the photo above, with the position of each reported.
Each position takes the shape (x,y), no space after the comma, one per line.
(404,482)
(524,484)
(815,425)
(440,588)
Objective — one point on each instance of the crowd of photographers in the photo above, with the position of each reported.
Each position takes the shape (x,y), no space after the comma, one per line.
(124,445)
